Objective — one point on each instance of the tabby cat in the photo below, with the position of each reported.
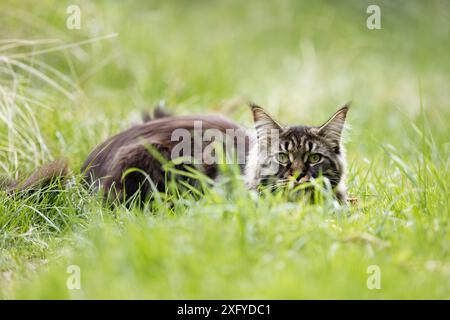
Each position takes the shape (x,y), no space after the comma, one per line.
(126,164)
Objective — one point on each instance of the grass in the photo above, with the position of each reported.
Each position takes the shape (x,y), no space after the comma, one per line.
(64,91)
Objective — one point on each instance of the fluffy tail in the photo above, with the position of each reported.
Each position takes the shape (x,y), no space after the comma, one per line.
(41,178)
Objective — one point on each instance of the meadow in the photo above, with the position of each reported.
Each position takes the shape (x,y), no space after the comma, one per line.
(63,91)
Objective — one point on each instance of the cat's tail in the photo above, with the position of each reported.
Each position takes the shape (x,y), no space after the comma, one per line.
(41,178)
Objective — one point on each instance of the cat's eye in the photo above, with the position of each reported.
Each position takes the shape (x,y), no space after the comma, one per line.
(314,158)
(282,157)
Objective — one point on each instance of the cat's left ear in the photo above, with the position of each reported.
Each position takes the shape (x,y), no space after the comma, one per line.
(264,123)
(332,129)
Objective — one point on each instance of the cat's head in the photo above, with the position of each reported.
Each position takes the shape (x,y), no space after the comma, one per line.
(297,154)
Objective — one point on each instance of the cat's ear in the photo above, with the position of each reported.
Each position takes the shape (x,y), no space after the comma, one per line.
(332,129)
(264,123)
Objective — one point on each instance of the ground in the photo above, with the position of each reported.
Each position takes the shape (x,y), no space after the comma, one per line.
(63,91)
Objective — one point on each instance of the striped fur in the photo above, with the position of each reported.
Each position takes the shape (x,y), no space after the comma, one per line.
(298,145)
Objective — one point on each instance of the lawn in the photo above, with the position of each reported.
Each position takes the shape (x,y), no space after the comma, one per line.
(63,91)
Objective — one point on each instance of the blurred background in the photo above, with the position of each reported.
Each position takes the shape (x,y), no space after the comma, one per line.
(300,59)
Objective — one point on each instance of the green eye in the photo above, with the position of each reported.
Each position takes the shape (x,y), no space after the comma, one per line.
(314,158)
(282,157)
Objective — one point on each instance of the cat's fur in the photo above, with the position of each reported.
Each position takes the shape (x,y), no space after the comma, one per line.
(107,164)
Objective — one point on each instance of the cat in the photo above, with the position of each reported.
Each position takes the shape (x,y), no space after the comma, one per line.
(131,162)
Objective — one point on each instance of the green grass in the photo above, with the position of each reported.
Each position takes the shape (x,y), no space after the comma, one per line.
(300,60)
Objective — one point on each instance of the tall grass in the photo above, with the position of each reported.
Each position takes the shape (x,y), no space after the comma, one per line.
(63,91)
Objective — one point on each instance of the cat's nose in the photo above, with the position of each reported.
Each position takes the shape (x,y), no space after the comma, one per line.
(304,177)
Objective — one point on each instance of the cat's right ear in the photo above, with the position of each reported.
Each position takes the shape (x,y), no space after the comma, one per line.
(264,123)
(332,129)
